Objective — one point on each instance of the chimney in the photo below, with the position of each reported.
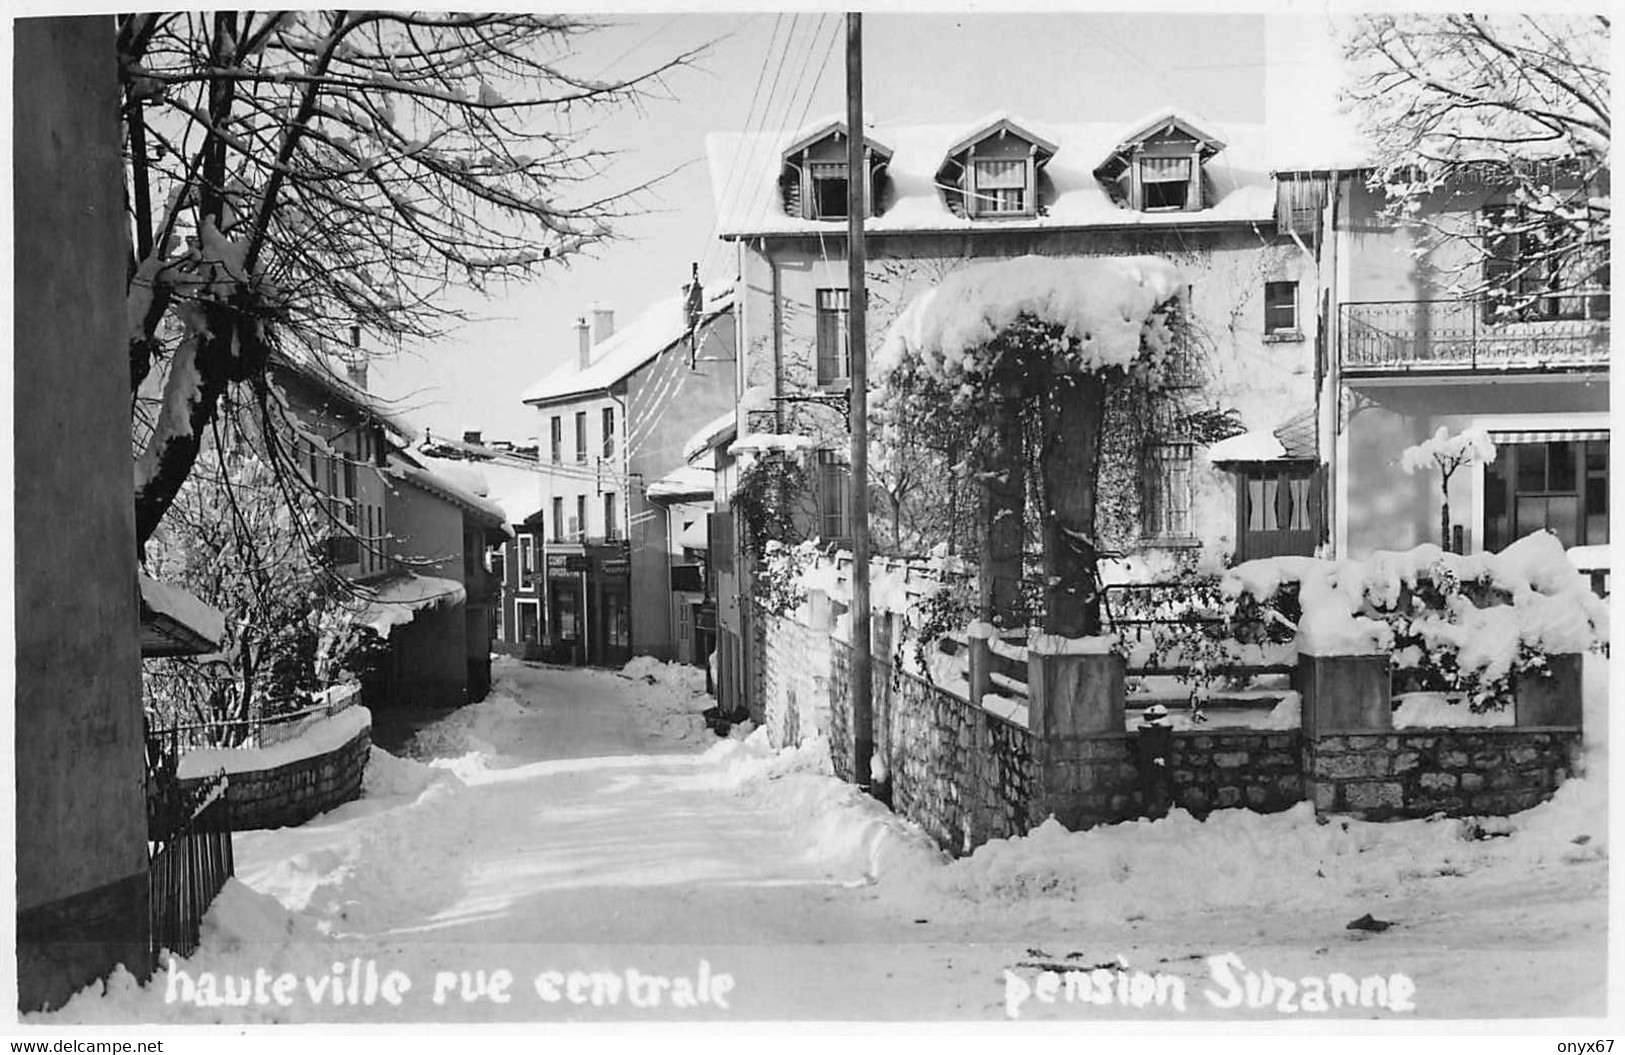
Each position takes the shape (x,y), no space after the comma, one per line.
(355,364)
(603,322)
(471,437)
(584,340)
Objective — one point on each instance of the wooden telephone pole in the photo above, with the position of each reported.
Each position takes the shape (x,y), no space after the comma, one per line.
(857,208)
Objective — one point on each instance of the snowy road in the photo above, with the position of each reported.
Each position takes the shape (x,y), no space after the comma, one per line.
(582,832)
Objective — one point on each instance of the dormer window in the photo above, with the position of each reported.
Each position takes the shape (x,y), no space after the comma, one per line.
(1165,183)
(994,171)
(814,180)
(829,190)
(1158,166)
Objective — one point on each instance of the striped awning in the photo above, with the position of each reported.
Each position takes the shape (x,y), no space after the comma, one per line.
(1165,170)
(1548,435)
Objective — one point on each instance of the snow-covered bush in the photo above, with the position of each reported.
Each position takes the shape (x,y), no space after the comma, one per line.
(779,585)
(1468,625)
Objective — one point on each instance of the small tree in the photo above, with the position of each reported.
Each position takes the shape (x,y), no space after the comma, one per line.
(1447,453)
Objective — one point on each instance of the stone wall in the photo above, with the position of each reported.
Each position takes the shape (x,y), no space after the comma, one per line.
(962,774)
(292,793)
(1458,772)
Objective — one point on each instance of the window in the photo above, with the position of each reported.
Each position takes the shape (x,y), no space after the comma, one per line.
(834,497)
(581,435)
(578,526)
(1001,187)
(527,559)
(558,520)
(1167,513)
(1552,482)
(828,179)
(1164,183)
(1281,309)
(1533,269)
(611,522)
(557,434)
(609,432)
(834,351)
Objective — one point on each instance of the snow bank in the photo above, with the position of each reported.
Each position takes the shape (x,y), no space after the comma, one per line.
(1102,304)
(844,829)
(390,776)
(320,737)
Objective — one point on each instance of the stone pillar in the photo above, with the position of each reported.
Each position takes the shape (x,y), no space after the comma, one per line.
(1553,699)
(1075,712)
(1347,754)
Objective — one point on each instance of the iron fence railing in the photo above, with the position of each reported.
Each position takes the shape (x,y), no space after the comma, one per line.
(1558,332)
(248,733)
(189,851)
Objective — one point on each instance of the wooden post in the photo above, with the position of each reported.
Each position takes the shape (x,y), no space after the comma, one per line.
(863,737)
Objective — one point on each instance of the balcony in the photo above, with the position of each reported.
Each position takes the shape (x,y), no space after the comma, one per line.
(1453,336)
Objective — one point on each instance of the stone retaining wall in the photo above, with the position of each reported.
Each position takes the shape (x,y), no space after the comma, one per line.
(1458,772)
(294,792)
(962,774)
(966,775)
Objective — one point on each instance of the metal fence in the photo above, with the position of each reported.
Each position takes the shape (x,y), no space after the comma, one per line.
(249,733)
(1456,335)
(189,849)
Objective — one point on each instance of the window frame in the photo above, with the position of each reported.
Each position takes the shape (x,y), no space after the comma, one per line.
(581,437)
(1157,512)
(611,520)
(834,496)
(556,435)
(1292,330)
(581,518)
(607,421)
(558,518)
(832,322)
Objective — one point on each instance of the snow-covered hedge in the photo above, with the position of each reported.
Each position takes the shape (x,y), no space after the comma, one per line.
(1464,624)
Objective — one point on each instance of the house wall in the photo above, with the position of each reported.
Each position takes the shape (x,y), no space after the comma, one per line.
(568,478)
(428,657)
(81,827)
(666,403)
(1266,381)
(1390,509)
(1380,506)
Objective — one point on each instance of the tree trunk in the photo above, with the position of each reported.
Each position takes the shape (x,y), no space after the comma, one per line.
(1073,411)
(1003,491)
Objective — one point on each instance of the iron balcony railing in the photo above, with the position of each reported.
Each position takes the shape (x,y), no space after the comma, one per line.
(1459,335)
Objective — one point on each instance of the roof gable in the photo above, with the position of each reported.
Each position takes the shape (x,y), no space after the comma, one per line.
(1002,124)
(822,129)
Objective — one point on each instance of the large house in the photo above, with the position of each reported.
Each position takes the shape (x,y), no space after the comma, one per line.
(619,567)
(939,197)
(1426,335)
(412,542)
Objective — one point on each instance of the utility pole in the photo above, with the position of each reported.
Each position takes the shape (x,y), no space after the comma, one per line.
(857,208)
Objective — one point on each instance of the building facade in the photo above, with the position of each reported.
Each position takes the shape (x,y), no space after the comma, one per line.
(612,425)
(1451,322)
(941,197)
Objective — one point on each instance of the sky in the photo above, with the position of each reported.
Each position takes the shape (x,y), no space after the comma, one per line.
(780,70)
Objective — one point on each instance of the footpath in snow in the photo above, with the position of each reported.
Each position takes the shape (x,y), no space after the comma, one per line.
(580,847)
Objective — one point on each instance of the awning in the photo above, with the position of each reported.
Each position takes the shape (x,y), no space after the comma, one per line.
(397,602)
(686,483)
(1548,435)
(174,623)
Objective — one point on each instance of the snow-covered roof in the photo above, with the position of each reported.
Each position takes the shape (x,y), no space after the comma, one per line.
(711,434)
(318,371)
(761,442)
(1259,445)
(1163,118)
(398,601)
(513,485)
(819,127)
(1000,120)
(1292,440)
(629,347)
(457,493)
(175,623)
(684,482)
(745,170)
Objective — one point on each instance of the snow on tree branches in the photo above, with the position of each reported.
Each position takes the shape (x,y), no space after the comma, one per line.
(1105,310)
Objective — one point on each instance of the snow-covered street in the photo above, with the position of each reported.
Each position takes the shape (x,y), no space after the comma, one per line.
(585,833)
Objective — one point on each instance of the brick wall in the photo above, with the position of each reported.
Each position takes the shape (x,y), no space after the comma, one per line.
(293,793)
(1417,773)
